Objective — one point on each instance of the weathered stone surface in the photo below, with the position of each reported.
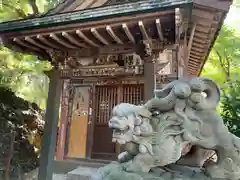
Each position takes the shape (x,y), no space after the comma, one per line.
(59,177)
(81,173)
(173,136)
(117,172)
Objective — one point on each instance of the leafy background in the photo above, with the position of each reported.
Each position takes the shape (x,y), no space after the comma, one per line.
(24,75)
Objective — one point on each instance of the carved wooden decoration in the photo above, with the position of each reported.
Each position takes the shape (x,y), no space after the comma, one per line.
(106,71)
(118,49)
(58,58)
(107,65)
(164,62)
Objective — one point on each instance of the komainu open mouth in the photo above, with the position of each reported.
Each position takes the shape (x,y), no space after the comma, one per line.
(117,131)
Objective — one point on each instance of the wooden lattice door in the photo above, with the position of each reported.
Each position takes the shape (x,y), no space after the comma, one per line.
(106,98)
(133,94)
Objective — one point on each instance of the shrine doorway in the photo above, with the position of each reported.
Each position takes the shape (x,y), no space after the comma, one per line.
(78,129)
(107,97)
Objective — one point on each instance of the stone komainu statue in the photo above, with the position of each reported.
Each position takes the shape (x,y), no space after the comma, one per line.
(173,135)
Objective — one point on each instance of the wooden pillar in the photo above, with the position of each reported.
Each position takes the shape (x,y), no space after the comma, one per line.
(148,55)
(149,78)
(50,129)
(63,120)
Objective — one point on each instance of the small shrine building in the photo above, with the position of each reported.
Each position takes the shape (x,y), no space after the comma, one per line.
(105,52)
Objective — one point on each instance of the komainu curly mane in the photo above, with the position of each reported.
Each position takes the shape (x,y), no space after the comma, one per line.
(179,125)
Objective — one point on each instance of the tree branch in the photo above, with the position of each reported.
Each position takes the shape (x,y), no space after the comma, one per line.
(226,68)
(221,62)
(33,4)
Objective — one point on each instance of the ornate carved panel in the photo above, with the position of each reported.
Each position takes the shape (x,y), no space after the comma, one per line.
(108,65)
(164,62)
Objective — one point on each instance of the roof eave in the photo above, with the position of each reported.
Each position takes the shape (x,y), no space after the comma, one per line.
(212,44)
(94,14)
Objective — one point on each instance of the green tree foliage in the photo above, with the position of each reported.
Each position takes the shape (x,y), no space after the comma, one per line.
(237,3)
(223,66)
(18,9)
(24,74)
(231,108)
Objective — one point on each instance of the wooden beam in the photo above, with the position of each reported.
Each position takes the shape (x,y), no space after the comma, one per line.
(128,33)
(191,69)
(222,5)
(85,38)
(197,49)
(196,53)
(61,41)
(198,45)
(203,14)
(204,22)
(189,45)
(191,37)
(204,43)
(149,79)
(193,56)
(113,35)
(118,49)
(48,43)
(159,29)
(199,40)
(143,30)
(99,23)
(99,36)
(35,43)
(193,66)
(21,43)
(213,30)
(192,72)
(203,29)
(201,35)
(194,61)
(72,40)
(63,120)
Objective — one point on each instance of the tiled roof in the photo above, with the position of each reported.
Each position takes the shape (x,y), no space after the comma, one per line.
(92,14)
